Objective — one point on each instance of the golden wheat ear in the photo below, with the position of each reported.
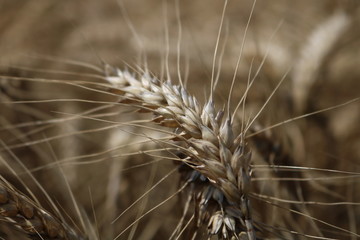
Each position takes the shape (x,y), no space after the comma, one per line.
(211,150)
(30,218)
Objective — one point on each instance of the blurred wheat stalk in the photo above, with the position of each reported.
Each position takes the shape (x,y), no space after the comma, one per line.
(99,167)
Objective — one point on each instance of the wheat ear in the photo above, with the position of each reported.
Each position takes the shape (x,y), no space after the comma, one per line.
(31,218)
(213,150)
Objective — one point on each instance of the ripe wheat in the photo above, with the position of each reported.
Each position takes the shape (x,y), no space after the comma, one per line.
(240,176)
(21,212)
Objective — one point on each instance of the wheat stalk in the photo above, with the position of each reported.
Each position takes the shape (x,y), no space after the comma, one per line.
(29,217)
(212,147)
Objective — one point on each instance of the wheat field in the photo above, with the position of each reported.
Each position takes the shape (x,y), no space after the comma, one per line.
(200,119)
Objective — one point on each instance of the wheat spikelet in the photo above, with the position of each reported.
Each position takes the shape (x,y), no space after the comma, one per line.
(17,209)
(212,148)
